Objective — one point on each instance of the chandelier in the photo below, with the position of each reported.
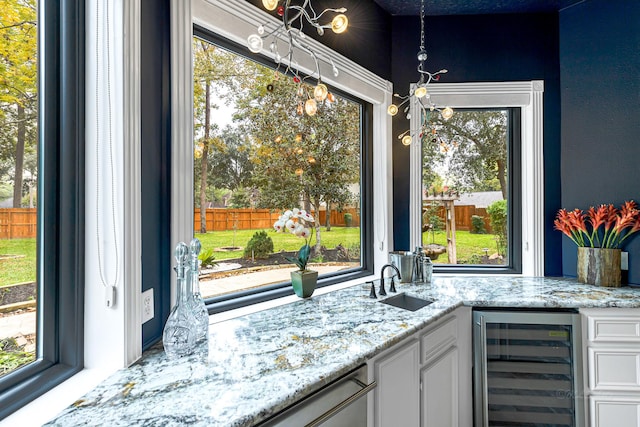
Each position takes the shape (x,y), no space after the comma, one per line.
(294,17)
(420,92)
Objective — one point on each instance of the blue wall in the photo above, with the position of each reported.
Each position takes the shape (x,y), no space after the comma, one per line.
(600,75)
(482,48)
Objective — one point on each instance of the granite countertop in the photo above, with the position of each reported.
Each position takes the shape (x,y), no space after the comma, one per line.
(255,365)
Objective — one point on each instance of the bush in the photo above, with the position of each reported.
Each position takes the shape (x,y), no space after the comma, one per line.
(477,225)
(498,218)
(206,258)
(259,246)
(348,219)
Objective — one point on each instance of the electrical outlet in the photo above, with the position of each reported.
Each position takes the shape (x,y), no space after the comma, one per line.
(147,305)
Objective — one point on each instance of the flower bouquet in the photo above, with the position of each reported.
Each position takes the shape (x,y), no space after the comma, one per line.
(599,235)
(299,223)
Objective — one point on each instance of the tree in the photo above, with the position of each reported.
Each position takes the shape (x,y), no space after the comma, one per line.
(297,157)
(474,145)
(18,86)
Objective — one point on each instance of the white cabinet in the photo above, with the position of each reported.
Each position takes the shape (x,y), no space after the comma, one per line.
(426,379)
(612,356)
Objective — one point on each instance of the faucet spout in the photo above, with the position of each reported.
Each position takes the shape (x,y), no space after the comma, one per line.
(393,288)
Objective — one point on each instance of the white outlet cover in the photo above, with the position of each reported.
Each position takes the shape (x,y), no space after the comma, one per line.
(147,305)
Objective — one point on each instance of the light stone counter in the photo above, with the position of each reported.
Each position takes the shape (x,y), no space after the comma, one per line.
(260,363)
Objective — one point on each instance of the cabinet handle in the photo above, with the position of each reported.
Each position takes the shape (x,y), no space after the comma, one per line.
(340,406)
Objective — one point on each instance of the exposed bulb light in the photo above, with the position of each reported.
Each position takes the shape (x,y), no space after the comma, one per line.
(392,110)
(311,107)
(254,42)
(447,113)
(270,4)
(339,24)
(406,140)
(420,92)
(320,92)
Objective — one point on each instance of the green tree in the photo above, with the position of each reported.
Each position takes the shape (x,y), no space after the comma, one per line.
(473,145)
(18,87)
(298,157)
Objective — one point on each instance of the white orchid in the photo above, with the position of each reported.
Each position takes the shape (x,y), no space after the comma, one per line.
(299,223)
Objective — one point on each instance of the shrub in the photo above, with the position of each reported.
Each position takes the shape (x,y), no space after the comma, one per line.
(348,219)
(498,218)
(206,258)
(477,225)
(259,246)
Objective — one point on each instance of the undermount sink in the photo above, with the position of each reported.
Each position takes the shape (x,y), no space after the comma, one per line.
(407,302)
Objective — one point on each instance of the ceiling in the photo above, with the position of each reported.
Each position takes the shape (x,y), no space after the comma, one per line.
(474,7)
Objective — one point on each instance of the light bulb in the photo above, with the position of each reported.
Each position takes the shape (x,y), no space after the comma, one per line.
(447,113)
(311,107)
(422,55)
(406,140)
(392,110)
(254,43)
(340,23)
(270,4)
(320,92)
(261,29)
(320,31)
(420,92)
(299,171)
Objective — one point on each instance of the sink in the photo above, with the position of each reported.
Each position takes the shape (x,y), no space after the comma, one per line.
(407,302)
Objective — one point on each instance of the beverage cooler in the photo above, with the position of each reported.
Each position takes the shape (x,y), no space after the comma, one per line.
(527,369)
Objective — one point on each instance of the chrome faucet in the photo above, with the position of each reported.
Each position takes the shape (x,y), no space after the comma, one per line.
(383,292)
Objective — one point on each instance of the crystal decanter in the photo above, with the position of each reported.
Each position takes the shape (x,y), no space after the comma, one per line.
(180,331)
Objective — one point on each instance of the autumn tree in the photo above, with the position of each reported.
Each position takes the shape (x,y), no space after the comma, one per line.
(473,145)
(18,87)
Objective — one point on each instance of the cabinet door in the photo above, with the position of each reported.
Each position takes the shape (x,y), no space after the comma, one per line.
(614,411)
(440,391)
(397,396)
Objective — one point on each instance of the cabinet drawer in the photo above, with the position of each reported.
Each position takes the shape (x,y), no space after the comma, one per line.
(614,329)
(614,369)
(614,411)
(438,339)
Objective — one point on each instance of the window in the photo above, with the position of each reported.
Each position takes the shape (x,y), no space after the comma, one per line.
(257,153)
(522,104)
(57,137)
(471,167)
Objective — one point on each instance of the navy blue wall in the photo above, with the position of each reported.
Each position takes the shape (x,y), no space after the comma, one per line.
(482,48)
(600,75)
(155,167)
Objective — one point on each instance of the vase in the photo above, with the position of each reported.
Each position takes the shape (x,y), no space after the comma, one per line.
(304,282)
(598,266)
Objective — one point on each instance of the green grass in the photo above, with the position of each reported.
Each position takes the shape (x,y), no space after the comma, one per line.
(347,237)
(18,270)
(467,245)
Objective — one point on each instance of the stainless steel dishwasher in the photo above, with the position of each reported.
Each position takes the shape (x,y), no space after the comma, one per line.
(342,403)
(527,369)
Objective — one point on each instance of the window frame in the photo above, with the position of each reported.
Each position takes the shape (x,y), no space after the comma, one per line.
(528,96)
(60,237)
(235,21)
(277,290)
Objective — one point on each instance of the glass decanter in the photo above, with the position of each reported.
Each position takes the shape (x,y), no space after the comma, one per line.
(195,297)
(180,333)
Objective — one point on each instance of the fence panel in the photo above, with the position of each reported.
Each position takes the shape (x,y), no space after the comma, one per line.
(18,223)
(221,219)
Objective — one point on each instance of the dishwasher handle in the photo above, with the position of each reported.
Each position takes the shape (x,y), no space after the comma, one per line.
(340,406)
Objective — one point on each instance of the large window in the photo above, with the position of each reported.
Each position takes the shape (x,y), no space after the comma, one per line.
(258,153)
(41,178)
(487,113)
(471,168)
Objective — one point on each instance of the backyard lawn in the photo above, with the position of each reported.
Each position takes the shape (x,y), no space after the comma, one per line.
(469,248)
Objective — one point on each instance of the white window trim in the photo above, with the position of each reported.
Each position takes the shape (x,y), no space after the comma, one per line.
(529,97)
(235,21)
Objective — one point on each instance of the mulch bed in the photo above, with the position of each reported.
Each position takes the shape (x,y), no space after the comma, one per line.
(17,293)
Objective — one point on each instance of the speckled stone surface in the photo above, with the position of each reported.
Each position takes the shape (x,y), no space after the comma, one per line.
(258,364)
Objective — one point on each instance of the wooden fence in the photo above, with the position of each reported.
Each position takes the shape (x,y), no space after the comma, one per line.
(18,223)
(221,219)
